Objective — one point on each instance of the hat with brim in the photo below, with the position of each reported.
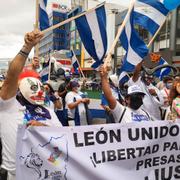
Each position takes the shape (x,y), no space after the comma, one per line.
(134,90)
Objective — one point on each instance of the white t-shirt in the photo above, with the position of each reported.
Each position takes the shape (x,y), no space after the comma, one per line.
(71,112)
(151,103)
(129,115)
(12,115)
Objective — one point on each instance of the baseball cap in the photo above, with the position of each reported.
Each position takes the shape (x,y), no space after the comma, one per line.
(74,84)
(135,90)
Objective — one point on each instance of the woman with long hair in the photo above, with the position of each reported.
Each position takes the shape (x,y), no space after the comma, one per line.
(174,99)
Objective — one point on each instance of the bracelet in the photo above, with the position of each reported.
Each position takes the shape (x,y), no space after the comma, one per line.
(24,54)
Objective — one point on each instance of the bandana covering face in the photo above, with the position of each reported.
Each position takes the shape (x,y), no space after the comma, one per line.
(33,112)
(32,90)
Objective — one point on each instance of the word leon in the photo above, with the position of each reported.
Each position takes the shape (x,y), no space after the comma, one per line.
(90,138)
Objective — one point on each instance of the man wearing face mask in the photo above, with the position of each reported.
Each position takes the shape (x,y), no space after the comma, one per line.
(21,101)
(75,102)
(153,99)
(122,114)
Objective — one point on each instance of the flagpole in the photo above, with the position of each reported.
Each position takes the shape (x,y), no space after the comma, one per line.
(49,74)
(107,62)
(71,19)
(36,27)
(157,32)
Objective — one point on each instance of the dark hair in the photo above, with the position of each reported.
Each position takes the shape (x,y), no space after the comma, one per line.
(173,92)
(73,84)
(50,88)
(167,78)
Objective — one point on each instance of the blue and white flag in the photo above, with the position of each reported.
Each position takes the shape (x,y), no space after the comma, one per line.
(150,14)
(92,30)
(163,72)
(124,77)
(43,16)
(44,74)
(75,63)
(135,48)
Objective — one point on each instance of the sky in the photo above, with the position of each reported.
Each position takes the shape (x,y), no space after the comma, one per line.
(16,18)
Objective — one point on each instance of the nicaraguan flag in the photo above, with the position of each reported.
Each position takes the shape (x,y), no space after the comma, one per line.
(163,72)
(43,16)
(135,48)
(150,14)
(124,77)
(75,63)
(44,74)
(92,30)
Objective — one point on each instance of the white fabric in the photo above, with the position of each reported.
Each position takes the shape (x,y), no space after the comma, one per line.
(130,115)
(12,115)
(114,79)
(150,12)
(150,103)
(71,112)
(131,151)
(42,5)
(131,55)
(11,176)
(134,89)
(114,93)
(96,34)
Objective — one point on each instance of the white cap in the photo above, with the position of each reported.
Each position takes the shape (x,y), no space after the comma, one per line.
(114,79)
(135,89)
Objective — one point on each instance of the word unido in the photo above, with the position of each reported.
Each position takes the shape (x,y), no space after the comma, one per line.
(90,138)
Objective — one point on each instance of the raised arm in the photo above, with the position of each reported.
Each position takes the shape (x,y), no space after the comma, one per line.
(10,85)
(106,87)
(137,71)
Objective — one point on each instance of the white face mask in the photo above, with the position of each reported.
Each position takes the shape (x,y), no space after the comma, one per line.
(32,90)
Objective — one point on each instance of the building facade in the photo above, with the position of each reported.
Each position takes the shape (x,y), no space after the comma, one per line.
(58,38)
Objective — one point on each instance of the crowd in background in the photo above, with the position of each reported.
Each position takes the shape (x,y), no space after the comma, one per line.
(24,99)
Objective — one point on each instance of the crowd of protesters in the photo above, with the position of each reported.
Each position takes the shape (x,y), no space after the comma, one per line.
(24,99)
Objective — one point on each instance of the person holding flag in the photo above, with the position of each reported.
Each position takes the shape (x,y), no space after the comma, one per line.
(75,100)
(22,102)
(153,99)
(125,114)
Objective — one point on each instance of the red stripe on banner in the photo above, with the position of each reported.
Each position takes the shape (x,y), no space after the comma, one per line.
(65,61)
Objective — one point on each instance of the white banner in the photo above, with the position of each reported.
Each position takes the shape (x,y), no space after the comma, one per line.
(138,151)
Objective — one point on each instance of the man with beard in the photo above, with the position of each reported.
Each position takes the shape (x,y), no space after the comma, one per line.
(21,100)
(125,114)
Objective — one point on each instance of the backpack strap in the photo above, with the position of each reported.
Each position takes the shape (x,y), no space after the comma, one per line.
(120,119)
(146,114)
